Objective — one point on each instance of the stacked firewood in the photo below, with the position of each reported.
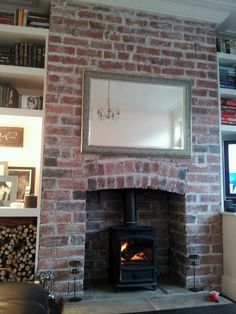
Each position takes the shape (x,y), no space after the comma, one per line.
(17,252)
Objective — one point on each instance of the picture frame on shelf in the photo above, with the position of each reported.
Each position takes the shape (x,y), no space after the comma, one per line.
(31,102)
(8,188)
(3,168)
(11,136)
(26,181)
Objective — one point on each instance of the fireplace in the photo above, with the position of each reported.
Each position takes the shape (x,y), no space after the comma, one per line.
(158,213)
(132,256)
(132,250)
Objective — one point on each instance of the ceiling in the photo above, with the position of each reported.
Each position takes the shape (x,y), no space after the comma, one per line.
(208,10)
(216,11)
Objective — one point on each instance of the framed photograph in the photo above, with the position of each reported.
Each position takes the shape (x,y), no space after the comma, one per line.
(26,181)
(134,114)
(9,96)
(31,102)
(8,186)
(11,136)
(3,168)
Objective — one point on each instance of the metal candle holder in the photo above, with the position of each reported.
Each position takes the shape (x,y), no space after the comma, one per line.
(74,267)
(194,261)
(46,279)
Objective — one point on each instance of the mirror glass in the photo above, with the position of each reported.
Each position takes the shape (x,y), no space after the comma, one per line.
(136,115)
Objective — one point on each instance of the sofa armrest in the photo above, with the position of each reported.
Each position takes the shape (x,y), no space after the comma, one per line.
(23,297)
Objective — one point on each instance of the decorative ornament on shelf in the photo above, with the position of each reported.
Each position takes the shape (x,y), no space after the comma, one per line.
(108,112)
(30,201)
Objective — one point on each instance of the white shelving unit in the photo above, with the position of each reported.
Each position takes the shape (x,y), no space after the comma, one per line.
(228,93)
(228,132)
(20,212)
(27,81)
(22,76)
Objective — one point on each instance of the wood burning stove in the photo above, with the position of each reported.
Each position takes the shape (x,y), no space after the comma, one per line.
(132,250)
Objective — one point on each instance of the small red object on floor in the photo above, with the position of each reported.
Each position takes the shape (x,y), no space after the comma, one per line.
(213,296)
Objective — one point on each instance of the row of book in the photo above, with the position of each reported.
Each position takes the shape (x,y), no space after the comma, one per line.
(10,98)
(226,45)
(24,17)
(227,77)
(228,111)
(23,54)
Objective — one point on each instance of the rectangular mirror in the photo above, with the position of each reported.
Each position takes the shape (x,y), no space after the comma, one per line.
(136,115)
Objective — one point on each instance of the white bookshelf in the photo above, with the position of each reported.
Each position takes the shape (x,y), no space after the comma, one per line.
(228,132)
(27,81)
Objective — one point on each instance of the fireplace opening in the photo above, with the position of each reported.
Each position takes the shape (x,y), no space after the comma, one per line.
(162,211)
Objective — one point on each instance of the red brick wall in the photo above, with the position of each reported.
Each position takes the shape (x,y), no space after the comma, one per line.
(115,40)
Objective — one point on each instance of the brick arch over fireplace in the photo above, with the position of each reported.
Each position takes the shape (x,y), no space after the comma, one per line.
(133,173)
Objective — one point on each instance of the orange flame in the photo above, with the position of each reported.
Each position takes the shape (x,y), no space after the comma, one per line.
(124,246)
(137,257)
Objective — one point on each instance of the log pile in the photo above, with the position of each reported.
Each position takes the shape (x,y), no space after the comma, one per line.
(17,251)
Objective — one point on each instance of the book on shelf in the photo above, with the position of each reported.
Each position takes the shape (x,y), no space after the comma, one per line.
(228,111)
(227,85)
(38,24)
(230,121)
(28,54)
(228,114)
(6,55)
(227,77)
(228,102)
(226,45)
(226,71)
(7,17)
(20,17)
(35,19)
(6,20)
(24,17)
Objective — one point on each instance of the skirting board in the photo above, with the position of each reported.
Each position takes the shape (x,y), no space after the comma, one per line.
(228,287)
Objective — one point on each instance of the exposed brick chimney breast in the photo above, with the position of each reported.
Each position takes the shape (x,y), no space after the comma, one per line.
(103,38)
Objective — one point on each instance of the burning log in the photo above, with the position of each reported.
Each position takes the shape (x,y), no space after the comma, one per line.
(17,251)
(131,251)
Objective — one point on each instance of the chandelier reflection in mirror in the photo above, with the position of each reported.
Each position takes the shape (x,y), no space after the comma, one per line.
(108,112)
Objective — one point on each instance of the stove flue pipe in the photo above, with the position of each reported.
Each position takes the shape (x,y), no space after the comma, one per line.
(130,213)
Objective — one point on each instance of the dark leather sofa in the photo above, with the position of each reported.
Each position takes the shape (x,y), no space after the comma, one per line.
(23,298)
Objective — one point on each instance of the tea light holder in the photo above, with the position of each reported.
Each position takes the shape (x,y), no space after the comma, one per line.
(194,261)
(74,268)
(46,279)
